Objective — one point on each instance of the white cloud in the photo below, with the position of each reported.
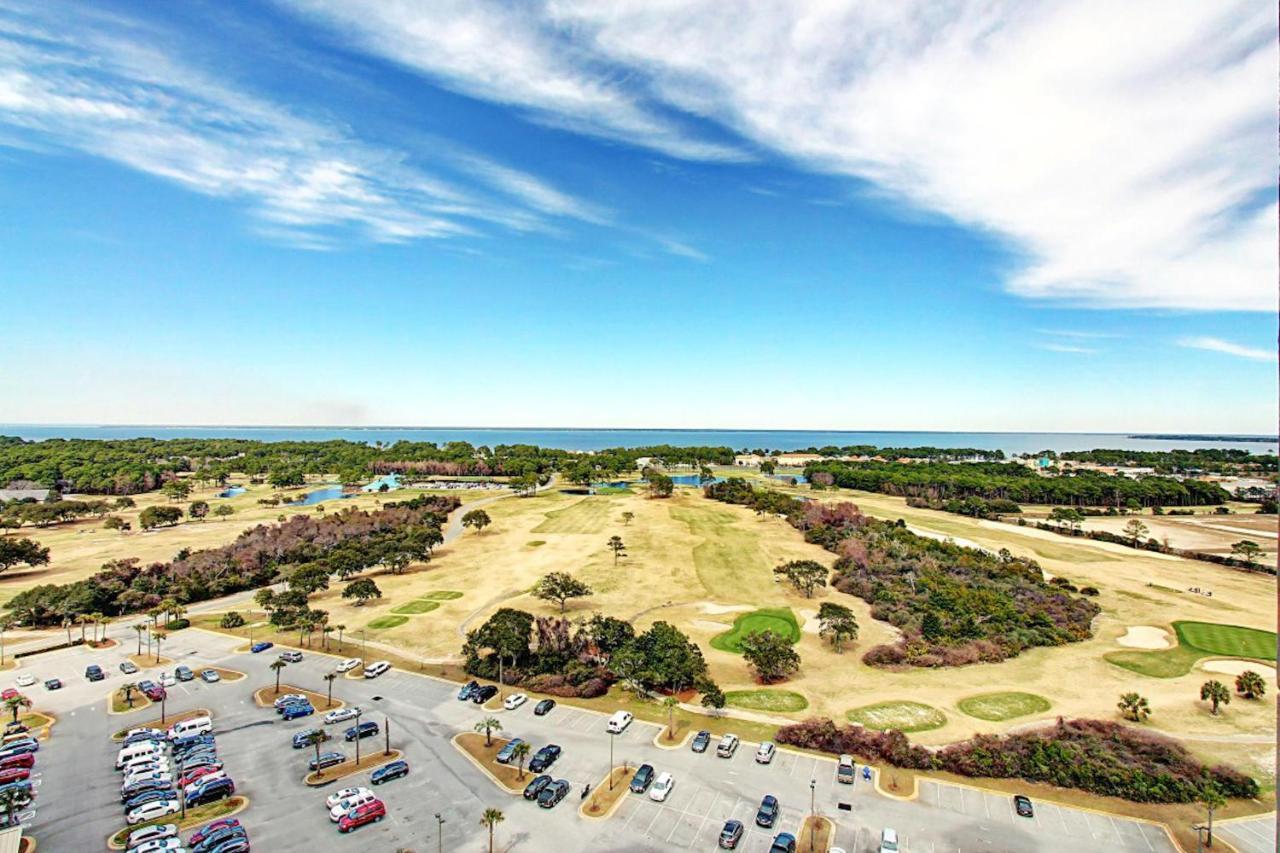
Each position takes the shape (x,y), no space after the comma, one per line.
(1218,345)
(1075,333)
(1051,347)
(1119,149)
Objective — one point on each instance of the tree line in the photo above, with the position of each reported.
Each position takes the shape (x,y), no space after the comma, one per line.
(1219,460)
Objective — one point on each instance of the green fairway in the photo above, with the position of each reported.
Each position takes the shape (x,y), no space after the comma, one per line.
(998,707)
(442,595)
(779,620)
(904,716)
(1230,640)
(766,700)
(588,515)
(384,622)
(1169,663)
(415,607)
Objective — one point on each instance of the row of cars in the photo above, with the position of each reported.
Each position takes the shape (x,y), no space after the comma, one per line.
(352,808)
(17,763)
(373,670)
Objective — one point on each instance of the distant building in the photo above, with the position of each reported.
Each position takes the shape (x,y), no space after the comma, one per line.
(748,460)
(23,494)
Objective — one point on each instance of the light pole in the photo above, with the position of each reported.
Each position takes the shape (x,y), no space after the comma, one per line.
(439,833)
(386,728)
(813,822)
(611,736)
(358,712)
(364,647)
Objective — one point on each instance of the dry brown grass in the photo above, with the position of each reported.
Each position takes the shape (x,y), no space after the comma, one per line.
(145,661)
(508,776)
(349,767)
(603,800)
(264,697)
(815,835)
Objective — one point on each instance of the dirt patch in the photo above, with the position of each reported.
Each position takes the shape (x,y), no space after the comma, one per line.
(265,697)
(149,661)
(1145,637)
(811,624)
(507,776)
(348,768)
(1235,667)
(815,835)
(226,674)
(603,801)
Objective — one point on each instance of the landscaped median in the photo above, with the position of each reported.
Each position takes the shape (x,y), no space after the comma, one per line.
(150,661)
(225,674)
(505,776)
(118,705)
(316,778)
(265,697)
(39,725)
(195,817)
(169,720)
(815,835)
(603,800)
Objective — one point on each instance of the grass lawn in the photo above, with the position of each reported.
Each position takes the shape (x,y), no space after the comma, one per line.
(998,707)
(784,701)
(442,595)
(1169,663)
(589,515)
(414,607)
(904,716)
(779,620)
(384,622)
(1227,640)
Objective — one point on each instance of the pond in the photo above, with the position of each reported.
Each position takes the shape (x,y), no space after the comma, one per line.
(679,480)
(319,496)
(787,478)
(391,481)
(232,492)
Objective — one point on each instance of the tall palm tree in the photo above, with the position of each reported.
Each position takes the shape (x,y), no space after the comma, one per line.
(14,704)
(324,636)
(1215,693)
(490,819)
(331,677)
(160,636)
(520,753)
(128,689)
(141,628)
(489,725)
(315,737)
(1134,707)
(340,629)
(1248,683)
(276,666)
(670,704)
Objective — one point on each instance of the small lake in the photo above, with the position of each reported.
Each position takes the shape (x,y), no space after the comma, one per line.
(787,478)
(232,492)
(679,480)
(319,496)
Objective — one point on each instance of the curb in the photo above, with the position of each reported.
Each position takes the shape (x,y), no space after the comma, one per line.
(660,744)
(617,804)
(111,712)
(454,740)
(395,755)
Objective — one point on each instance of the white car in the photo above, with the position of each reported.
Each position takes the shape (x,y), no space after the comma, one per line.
(661,787)
(764,754)
(515,701)
(335,798)
(146,776)
(159,845)
(373,670)
(289,697)
(147,763)
(167,680)
(348,664)
(25,680)
(152,810)
(154,734)
(341,715)
(336,813)
(152,833)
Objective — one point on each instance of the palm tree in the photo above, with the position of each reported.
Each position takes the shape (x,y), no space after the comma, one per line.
(490,819)
(1248,683)
(520,753)
(1212,800)
(1134,707)
(670,704)
(16,703)
(324,636)
(67,622)
(99,621)
(331,677)
(1216,693)
(278,665)
(128,692)
(141,628)
(160,636)
(340,629)
(315,737)
(489,725)
(11,800)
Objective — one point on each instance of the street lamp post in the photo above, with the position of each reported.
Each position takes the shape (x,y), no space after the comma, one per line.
(813,822)
(439,833)
(611,736)
(358,713)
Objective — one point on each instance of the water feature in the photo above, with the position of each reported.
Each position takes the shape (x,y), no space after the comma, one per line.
(678,479)
(232,492)
(319,496)
(787,478)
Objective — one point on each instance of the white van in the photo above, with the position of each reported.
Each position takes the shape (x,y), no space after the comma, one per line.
(137,750)
(619,722)
(888,841)
(193,726)
(373,670)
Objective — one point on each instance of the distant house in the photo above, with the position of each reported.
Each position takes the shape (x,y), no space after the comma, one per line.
(748,460)
(23,494)
(796,460)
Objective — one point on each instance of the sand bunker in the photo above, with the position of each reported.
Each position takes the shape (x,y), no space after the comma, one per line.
(1235,667)
(708,625)
(1145,637)
(811,624)
(716,609)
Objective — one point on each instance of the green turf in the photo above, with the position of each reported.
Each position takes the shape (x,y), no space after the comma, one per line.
(442,595)
(904,716)
(998,707)
(766,700)
(613,490)
(415,607)
(536,543)
(779,620)
(588,515)
(1168,663)
(1233,640)
(383,622)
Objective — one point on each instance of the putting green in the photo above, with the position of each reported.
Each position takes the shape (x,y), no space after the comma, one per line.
(779,620)
(997,707)
(384,622)
(442,595)
(1229,640)
(766,700)
(415,607)
(904,716)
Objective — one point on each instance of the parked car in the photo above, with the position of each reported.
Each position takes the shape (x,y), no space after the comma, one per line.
(230,838)
(184,673)
(767,814)
(25,680)
(151,690)
(93,672)
(618,722)
(204,782)
(387,772)
(128,667)
(25,760)
(295,710)
(370,812)
(281,701)
(731,834)
(341,715)
(151,795)
(1023,806)
(373,670)
(210,676)
(167,680)
(348,664)
(701,741)
(154,832)
(195,774)
(22,792)
(235,845)
(484,694)
(553,793)
(544,707)
(160,845)
(344,794)
(464,692)
(15,727)
(153,734)
(291,656)
(327,759)
(13,774)
(764,755)
(534,788)
(208,830)
(728,746)
(662,787)
(846,770)
(643,778)
(515,700)
(345,805)
(209,792)
(260,647)
(9,693)
(300,739)
(508,752)
(544,758)
(361,731)
(53,684)
(19,748)
(888,840)
(783,842)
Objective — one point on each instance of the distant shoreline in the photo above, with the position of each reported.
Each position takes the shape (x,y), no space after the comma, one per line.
(1199,437)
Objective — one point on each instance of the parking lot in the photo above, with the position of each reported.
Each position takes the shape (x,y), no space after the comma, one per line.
(1250,835)
(78,804)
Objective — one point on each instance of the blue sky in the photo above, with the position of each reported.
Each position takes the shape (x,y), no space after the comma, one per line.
(856,216)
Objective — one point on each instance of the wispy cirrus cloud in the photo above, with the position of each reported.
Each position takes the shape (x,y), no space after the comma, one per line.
(1068,348)
(1211,344)
(1076,333)
(1123,152)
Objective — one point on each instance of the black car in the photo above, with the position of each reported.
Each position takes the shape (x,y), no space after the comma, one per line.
(544,707)
(731,834)
(783,842)
(364,730)
(300,740)
(643,778)
(327,759)
(219,789)
(93,672)
(483,694)
(140,788)
(768,811)
(1023,806)
(534,788)
(467,689)
(220,837)
(544,758)
(387,772)
(553,793)
(53,684)
(701,741)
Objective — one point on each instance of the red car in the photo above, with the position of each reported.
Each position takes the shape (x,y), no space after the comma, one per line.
(206,831)
(198,772)
(25,760)
(8,693)
(14,774)
(370,812)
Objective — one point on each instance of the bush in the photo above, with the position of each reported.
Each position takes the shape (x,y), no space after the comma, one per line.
(177,624)
(231,620)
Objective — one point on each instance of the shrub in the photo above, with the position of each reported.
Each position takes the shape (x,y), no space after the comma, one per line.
(231,620)
(177,624)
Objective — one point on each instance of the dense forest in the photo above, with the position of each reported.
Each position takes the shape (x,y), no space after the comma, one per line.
(1214,460)
(344,543)
(954,605)
(941,454)
(1017,483)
